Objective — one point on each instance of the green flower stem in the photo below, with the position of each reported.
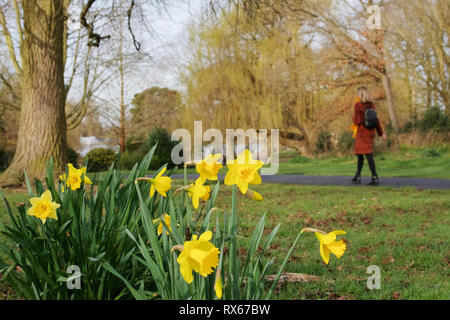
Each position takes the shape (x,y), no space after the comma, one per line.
(274,284)
(233,235)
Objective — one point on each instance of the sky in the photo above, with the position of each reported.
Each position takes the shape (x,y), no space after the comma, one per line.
(165,47)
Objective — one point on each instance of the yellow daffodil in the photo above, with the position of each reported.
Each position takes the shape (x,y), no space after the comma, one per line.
(254,195)
(43,207)
(74,179)
(354,128)
(357,99)
(208,168)
(218,285)
(160,184)
(160,226)
(243,171)
(197,191)
(198,255)
(207,194)
(328,243)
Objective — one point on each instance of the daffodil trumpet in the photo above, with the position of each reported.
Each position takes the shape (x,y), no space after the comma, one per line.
(159,183)
(198,255)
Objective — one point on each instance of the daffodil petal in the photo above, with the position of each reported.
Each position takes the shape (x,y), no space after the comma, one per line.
(186,272)
(325,253)
(207,235)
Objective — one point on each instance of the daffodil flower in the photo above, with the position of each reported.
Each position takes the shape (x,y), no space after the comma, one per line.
(208,168)
(354,128)
(328,243)
(160,184)
(160,226)
(43,207)
(197,191)
(198,255)
(243,171)
(74,180)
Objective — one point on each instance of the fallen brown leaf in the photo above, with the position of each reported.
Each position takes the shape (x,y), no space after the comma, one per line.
(293,277)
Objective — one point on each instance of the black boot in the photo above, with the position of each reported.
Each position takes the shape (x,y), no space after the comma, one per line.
(357,179)
(374,181)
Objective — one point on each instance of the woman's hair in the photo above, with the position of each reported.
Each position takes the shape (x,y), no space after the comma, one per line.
(364,95)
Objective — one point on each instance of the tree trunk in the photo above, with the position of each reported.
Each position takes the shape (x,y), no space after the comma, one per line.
(390,100)
(42,128)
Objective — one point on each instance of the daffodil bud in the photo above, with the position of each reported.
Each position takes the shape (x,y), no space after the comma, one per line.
(254,195)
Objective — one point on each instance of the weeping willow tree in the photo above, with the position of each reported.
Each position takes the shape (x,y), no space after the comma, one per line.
(260,74)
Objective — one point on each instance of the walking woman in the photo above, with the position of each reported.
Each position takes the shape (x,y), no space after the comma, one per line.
(365,134)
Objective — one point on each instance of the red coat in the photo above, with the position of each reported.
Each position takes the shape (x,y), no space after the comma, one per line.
(364,136)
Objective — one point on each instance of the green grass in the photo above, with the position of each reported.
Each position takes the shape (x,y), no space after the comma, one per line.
(403,231)
(388,165)
(406,162)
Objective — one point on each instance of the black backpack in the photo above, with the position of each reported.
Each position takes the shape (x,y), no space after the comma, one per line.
(370,118)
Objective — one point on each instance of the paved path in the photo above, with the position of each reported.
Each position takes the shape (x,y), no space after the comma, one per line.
(421,183)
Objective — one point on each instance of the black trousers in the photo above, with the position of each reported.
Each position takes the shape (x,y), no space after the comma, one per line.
(371,164)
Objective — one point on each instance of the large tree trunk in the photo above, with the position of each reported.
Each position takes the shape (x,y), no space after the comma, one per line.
(390,100)
(42,129)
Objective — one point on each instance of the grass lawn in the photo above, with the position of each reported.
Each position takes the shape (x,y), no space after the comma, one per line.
(407,162)
(403,231)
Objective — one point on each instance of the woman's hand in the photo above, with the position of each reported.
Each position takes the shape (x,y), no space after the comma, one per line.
(384,137)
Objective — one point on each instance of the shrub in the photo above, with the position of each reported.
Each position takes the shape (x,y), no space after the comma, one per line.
(435,119)
(129,159)
(346,141)
(431,153)
(100,159)
(164,150)
(134,144)
(323,142)
(72,156)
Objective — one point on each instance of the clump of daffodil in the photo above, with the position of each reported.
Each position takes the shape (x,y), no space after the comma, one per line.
(209,167)
(243,171)
(160,226)
(328,243)
(218,284)
(254,195)
(43,207)
(198,255)
(73,181)
(160,184)
(198,191)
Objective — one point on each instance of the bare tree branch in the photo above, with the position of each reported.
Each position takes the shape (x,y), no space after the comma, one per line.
(94,38)
(9,42)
